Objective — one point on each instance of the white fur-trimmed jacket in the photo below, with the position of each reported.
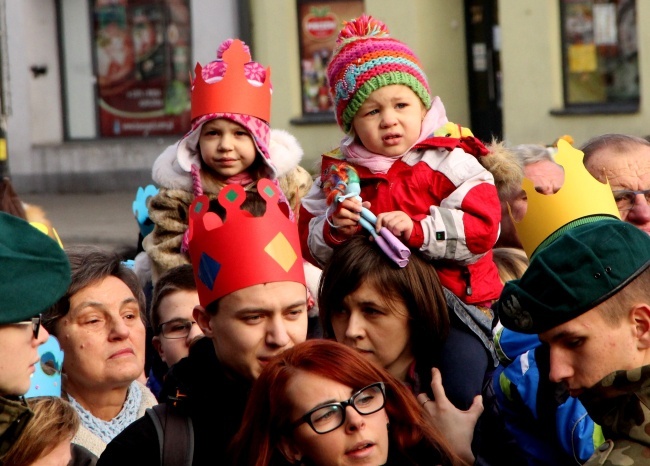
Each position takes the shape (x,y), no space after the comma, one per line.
(169,208)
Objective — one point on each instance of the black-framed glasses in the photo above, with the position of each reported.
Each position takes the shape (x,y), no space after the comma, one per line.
(626,199)
(331,416)
(176,328)
(35,322)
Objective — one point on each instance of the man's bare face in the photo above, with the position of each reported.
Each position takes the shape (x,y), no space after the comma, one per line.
(626,171)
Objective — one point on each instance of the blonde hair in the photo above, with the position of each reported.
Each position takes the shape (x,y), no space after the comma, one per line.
(54,421)
(511,263)
(505,167)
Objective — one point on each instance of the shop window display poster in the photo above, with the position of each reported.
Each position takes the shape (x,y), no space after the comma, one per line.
(319,25)
(142,63)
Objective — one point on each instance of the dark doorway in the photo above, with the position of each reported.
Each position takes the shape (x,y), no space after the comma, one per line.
(484,68)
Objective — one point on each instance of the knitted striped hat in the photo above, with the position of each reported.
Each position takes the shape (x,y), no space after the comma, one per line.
(365,59)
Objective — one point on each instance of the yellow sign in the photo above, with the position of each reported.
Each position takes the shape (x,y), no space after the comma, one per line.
(3,149)
(582,58)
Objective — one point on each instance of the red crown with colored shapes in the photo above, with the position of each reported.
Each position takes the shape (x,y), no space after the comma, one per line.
(243,250)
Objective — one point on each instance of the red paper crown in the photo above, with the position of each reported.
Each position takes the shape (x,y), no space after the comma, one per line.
(234,93)
(244,250)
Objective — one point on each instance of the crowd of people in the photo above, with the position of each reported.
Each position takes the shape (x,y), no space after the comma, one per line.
(424,299)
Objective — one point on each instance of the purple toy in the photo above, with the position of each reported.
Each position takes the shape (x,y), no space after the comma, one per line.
(343,183)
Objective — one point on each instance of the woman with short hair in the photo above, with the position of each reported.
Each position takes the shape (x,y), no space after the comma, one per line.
(99,323)
(405,321)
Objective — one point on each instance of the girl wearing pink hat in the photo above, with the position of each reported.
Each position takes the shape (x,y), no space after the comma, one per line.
(230,142)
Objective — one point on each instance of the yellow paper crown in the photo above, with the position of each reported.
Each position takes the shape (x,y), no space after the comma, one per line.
(580,197)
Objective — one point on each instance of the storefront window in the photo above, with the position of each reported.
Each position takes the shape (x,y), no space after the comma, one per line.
(319,26)
(142,52)
(600,56)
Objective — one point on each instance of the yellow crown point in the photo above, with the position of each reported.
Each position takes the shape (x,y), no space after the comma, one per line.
(580,197)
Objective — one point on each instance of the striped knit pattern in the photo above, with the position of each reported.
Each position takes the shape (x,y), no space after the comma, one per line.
(365,59)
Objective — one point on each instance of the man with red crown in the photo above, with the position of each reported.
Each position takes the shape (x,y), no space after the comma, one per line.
(253,305)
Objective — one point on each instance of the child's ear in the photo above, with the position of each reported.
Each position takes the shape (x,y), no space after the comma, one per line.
(289,450)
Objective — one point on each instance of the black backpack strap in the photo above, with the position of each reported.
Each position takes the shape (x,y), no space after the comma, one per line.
(160,429)
(175,435)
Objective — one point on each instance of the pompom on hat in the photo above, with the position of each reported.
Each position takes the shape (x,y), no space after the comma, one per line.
(235,88)
(365,59)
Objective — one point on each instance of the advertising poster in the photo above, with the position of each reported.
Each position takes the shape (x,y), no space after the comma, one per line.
(319,25)
(579,22)
(142,58)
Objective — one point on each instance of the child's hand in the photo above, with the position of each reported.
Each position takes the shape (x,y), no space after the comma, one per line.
(397,222)
(346,217)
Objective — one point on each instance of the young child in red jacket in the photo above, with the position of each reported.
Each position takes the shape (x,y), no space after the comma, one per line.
(424,184)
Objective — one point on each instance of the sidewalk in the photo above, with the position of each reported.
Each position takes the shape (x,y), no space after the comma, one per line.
(102,219)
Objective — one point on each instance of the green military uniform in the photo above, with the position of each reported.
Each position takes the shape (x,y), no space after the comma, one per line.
(14,416)
(620,403)
(34,274)
(581,269)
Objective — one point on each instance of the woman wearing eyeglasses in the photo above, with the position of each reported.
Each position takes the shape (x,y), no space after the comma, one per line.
(320,403)
(403,320)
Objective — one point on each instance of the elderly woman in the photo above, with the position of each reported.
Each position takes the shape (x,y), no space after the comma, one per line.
(99,324)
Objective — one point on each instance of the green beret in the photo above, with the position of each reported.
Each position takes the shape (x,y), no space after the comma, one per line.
(579,270)
(34,270)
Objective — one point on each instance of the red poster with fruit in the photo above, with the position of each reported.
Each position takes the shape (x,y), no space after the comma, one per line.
(320,23)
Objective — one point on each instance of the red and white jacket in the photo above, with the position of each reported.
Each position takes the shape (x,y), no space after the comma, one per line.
(452,201)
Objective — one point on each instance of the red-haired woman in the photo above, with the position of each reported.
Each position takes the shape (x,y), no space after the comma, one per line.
(403,320)
(321,403)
